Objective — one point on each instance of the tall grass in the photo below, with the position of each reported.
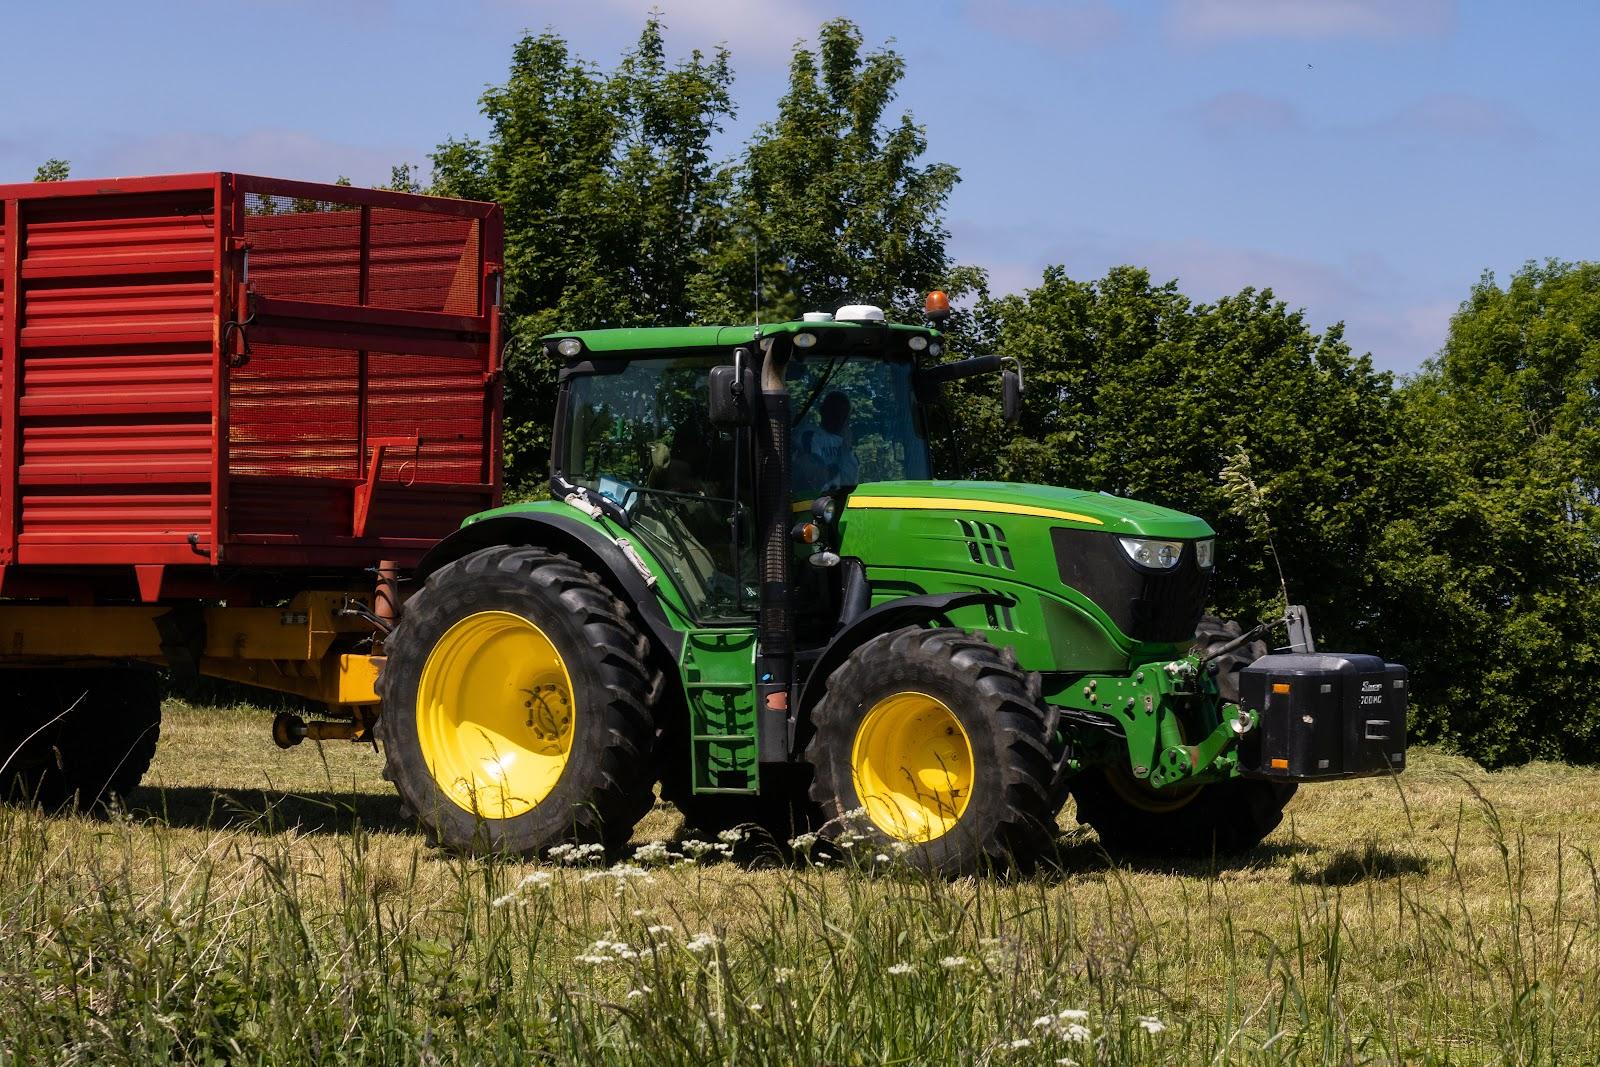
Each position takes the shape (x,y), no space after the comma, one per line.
(129,940)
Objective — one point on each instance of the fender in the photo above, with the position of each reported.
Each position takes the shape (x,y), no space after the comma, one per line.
(582,542)
(892,615)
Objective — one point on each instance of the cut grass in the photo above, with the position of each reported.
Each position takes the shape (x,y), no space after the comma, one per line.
(267,906)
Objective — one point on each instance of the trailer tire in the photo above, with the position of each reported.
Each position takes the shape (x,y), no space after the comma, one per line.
(889,744)
(77,738)
(519,659)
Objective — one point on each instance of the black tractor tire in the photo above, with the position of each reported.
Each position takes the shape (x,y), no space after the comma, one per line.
(1223,818)
(1008,818)
(1214,632)
(605,785)
(76,738)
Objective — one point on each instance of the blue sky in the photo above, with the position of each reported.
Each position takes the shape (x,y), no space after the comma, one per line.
(1367,159)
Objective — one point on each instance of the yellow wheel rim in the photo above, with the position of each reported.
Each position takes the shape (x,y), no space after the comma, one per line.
(495,714)
(912,764)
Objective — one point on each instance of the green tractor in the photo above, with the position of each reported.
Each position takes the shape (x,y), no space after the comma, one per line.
(751,589)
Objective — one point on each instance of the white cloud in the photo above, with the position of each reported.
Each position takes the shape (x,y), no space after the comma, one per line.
(1072,25)
(1243,113)
(1458,117)
(273,152)
(763,28)
(1211,20)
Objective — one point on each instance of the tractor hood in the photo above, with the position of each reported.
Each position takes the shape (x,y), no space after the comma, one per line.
(1073,507)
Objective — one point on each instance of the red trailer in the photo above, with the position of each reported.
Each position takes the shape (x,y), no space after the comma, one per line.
(229,405)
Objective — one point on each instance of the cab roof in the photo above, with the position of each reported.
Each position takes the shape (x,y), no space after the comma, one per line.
(652,340)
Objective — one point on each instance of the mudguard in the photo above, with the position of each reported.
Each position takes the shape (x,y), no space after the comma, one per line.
(892,615)
(583,542)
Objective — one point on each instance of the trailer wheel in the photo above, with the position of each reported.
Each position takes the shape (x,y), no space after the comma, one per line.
(934,743)
(517,706)
(77,738)
(1226,818)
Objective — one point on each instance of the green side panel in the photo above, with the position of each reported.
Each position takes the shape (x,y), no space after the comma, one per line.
(718,670)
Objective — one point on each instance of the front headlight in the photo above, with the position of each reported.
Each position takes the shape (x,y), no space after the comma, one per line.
(1161,555)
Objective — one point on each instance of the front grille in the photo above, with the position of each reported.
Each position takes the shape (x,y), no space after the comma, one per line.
(1145,605)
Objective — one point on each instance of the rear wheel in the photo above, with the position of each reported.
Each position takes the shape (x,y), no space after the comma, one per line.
(517,706)
(77,738)
(939,745)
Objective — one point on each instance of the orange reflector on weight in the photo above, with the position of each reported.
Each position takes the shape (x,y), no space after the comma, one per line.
(1280,687)
(1280,764)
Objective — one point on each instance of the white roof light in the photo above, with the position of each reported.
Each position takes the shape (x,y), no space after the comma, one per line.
(859,313)
(817,316)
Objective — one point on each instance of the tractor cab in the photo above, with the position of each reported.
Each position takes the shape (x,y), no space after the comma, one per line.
(657,428)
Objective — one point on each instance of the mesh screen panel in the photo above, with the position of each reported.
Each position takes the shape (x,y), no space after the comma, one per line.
(302,249)
(295,412)
(439,400)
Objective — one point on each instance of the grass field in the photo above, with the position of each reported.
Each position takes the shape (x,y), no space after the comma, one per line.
(262,906)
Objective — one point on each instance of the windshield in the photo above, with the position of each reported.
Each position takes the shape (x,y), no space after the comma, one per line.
(855,420)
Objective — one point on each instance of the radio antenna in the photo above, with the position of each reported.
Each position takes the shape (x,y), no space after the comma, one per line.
(757,235)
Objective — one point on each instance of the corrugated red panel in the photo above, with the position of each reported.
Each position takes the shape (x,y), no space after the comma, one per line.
(200,369)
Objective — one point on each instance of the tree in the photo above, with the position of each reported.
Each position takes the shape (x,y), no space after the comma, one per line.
(1491,576)
(53,170)
(606,180)
(831,200)
(1134,390)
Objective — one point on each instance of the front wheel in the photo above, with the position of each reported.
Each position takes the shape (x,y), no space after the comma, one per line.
(934,743)
(1132,818)
(517,706)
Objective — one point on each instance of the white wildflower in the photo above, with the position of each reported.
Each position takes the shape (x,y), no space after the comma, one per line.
(701,942)
(803,841)
(1075,1032)
(1073,1015)
(1151,1024)
(950,963)
(694,849)
(730,837)
(1021,1042)
(635,994)
(1066,1061)
(782,975)
(855,813)
(754,1005)
(901,968)
(659,929)
(594,960)
(881,857)
(536,880)
(654,852)
(1044,1020)
(900,848)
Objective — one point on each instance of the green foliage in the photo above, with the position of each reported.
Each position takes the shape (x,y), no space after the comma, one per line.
(830,198)
(607,181)
(53,170)
(1491,577)
(1133,390)
(618,213)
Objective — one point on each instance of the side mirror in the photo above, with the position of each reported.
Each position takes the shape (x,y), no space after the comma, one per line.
(731,390)
(1011,395)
